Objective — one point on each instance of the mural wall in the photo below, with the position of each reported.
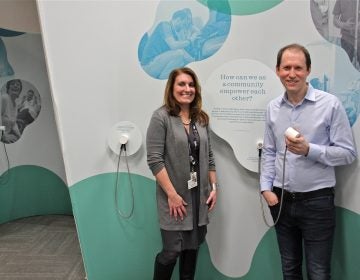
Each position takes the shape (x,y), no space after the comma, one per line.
(32,180)
(108,62)
(32,174)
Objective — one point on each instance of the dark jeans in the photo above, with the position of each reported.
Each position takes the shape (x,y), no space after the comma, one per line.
(306,224)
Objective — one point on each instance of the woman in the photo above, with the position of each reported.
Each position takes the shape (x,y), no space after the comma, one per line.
(9,109)
(179,155)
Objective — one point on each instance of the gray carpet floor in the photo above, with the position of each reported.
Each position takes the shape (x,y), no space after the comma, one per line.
(40,248)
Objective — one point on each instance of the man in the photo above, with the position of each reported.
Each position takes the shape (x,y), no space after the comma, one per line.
(325,140)
(346,17)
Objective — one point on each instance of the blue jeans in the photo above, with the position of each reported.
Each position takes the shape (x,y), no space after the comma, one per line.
(306,225)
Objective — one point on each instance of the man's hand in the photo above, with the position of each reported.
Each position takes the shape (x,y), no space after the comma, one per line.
(297,145)
(270,197)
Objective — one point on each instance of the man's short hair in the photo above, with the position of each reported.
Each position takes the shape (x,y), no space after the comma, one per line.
(294,47)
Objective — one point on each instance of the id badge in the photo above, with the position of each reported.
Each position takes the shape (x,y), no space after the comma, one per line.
(192,183)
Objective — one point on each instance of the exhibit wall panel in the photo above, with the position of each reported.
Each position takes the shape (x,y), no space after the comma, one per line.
(108,64)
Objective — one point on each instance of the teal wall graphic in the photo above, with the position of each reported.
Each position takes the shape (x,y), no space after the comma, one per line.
(32,190)
(128,246)
(180,37)
(242,7)
(121,243)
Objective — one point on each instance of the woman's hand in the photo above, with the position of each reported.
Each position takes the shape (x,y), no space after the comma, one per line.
(211,201)
(177,206)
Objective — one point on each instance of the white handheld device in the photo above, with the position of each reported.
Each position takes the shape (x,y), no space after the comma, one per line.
(292,133)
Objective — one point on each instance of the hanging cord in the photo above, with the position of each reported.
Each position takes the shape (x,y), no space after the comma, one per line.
(122,215)
(282,190)
(7,160)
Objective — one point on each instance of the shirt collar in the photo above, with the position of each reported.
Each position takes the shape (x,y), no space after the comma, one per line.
(310,95)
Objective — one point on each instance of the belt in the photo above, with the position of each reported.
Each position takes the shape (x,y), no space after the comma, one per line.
(303,195)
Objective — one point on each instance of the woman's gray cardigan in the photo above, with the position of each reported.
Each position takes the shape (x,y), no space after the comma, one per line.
(167,146)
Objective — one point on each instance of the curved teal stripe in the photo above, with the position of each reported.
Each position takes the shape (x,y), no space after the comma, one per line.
(345,260)
(112,247)
(244,7)
(30,190)
(115,248)
(266,261)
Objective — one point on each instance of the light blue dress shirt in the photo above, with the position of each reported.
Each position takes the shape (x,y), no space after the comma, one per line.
(322,120)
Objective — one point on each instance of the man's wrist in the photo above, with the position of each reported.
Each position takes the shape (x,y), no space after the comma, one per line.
(307,150)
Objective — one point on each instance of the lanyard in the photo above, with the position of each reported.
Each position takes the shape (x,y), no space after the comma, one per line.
(195,142)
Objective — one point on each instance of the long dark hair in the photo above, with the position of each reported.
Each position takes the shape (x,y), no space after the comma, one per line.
(173,107)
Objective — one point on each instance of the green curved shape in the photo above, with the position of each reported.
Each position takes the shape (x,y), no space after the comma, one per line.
(114,247)
(243,7)
(346,246)
(266,261)
(30,190)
